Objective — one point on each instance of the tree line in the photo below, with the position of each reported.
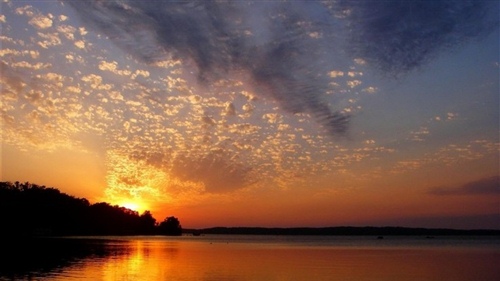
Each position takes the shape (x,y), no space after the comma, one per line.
(28,209)
(347,231)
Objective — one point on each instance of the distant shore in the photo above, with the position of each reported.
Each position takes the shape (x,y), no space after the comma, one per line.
(343,230)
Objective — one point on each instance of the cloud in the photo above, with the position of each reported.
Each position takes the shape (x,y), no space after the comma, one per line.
(399,36)
(215,170)
(67,30)
(486,186)
(286,49)
(50,40)
(41,22)
(229,109)
(80,44)
(419,135)
(280,47)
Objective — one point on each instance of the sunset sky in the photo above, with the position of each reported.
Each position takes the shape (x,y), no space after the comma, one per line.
(264,113)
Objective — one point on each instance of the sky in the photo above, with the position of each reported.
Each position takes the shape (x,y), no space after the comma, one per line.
(258,113)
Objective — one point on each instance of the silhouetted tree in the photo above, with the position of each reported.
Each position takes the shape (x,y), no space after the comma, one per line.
(170,226)
(28,209)
(147,222)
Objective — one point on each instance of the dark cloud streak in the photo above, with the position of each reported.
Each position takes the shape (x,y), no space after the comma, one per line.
(267,40)
(399,36)
(273,41)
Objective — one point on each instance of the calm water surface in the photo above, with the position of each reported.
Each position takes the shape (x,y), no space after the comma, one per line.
(226,257)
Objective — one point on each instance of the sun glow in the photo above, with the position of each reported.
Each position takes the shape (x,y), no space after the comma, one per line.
(134,206)
(131,206)
(132,183)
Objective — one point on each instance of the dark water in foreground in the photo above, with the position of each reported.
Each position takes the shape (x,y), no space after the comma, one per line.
(226,257)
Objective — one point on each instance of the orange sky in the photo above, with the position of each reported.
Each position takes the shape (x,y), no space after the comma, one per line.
(82,112)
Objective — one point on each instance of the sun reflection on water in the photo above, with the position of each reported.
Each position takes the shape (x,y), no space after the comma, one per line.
(185,258)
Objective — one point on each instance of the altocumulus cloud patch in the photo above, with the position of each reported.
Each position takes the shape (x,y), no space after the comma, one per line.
(285,48)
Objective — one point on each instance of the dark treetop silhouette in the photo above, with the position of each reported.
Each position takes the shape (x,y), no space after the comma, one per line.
(28,209)
(31,210)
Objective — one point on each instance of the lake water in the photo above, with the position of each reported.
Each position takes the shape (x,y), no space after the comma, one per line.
(263,258)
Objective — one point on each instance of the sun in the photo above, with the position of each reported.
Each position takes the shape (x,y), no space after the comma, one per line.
(134,206)
(130,205)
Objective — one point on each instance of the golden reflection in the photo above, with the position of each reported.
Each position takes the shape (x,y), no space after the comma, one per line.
(159,258)
(128,266)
